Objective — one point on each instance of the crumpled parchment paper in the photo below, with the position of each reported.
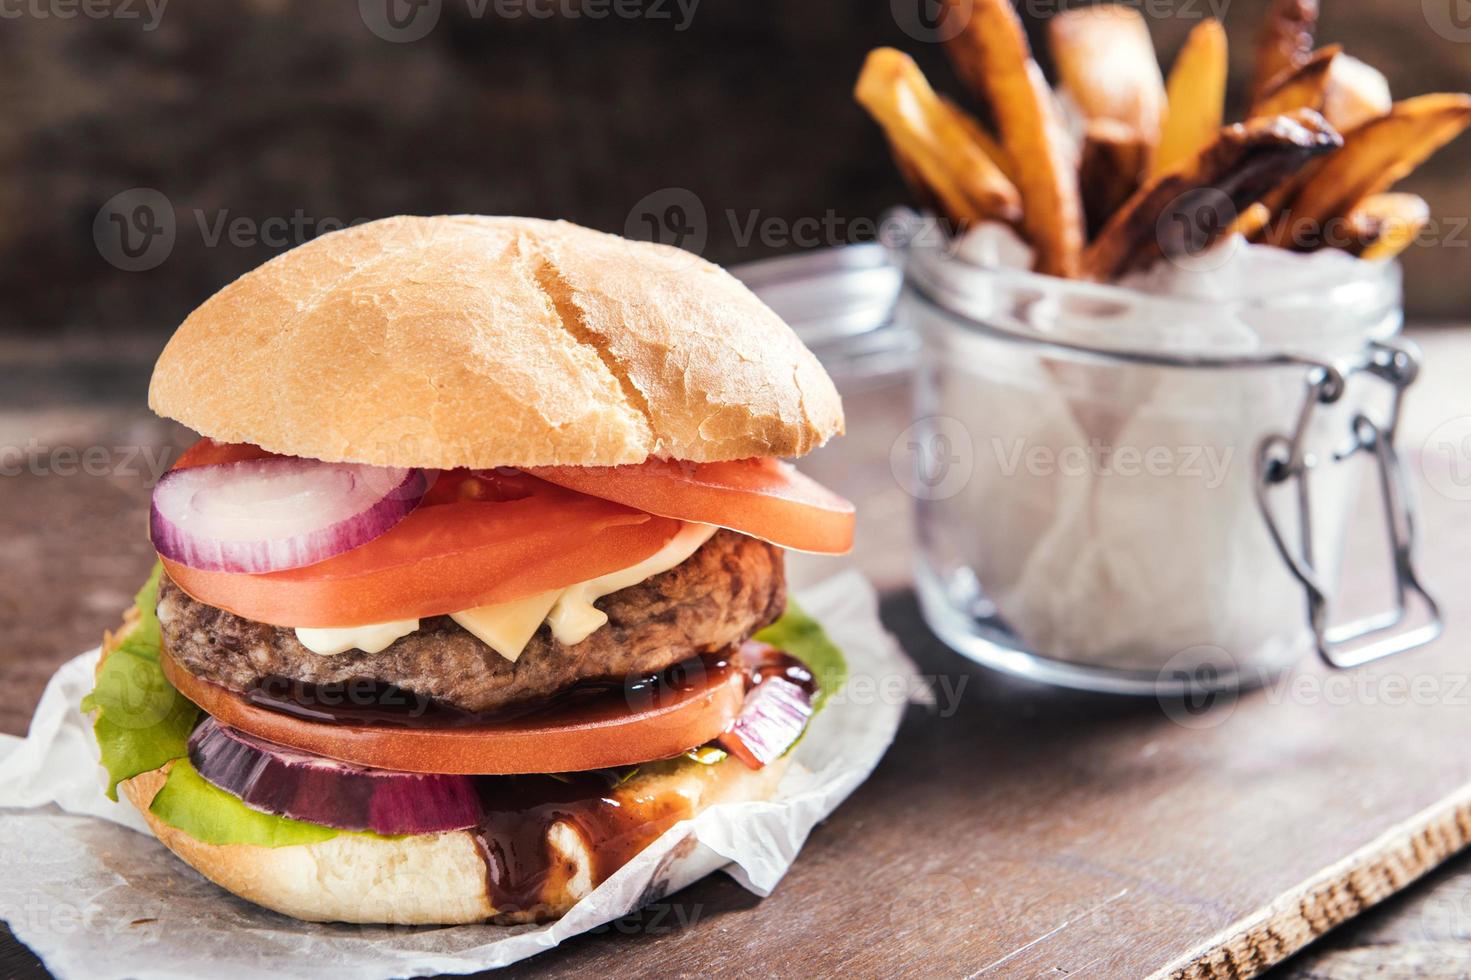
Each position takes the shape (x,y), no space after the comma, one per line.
(95,898)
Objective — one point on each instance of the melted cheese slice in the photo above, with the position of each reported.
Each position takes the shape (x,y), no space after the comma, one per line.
(506,627)
(574,617)
(373,638)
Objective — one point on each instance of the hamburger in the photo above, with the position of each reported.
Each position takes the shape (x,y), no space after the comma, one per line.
(473,584)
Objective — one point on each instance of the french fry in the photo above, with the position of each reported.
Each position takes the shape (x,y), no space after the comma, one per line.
(937,153)
(1250,222)
(1187,209)
(1285,40)
(1107,65)
(982,137)
(1345,90)
(1113,164)
(1357,92)
(991,54)
(1105,61)
(1277,198)
(1303,87)
(924,196)
(1374,157)
(1384,225)
(1196,97)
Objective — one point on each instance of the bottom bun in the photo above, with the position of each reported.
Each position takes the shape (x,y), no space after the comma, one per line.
(437,879)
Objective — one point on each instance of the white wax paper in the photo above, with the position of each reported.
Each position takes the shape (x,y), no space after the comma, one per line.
(93,898)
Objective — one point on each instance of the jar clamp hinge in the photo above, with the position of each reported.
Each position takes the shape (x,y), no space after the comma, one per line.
(1282,460)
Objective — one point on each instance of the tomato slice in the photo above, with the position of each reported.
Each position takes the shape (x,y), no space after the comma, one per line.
(207,452)
(764,497)
(598,735)
(477,538)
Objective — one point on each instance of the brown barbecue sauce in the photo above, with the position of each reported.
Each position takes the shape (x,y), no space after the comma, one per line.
(519,812)
(367,702)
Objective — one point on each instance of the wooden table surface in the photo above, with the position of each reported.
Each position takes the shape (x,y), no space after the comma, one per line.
(903,876)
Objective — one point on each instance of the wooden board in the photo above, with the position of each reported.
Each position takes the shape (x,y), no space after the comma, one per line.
(1028,832)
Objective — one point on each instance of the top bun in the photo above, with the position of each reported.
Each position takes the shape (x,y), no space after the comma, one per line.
(482,341)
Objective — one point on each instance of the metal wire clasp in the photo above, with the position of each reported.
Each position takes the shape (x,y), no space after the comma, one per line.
(1284,459)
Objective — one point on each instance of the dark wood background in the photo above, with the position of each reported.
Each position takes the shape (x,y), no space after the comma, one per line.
(270,109)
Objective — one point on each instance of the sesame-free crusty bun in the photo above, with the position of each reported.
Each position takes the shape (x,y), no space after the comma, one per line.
(433,879)
(490,341)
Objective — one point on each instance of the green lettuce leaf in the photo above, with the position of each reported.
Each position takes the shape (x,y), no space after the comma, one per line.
(141,721)
(142,724)
(802,636)
(205,812)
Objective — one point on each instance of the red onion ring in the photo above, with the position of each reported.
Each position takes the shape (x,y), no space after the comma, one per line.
(772,719)
(275,779)
(268,515)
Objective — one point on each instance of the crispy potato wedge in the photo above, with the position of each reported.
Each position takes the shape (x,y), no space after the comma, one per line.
(924,196)
(1187,209)
(1284,42)
(1277,199)
(1345,90)
(1250,222)
(1374,157)
(1303,87)
(1357,92)
(1105,61)
(982,137)
(936,153)
(1196,96)
(991,54)
(1113,164)
(1384,225)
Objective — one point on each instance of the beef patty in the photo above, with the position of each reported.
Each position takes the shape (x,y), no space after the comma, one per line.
(731,587)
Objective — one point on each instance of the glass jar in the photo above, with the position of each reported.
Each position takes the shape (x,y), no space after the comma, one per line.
(1121,491)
